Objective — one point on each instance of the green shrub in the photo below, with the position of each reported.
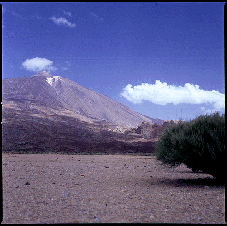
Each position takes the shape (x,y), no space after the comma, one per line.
(199,144)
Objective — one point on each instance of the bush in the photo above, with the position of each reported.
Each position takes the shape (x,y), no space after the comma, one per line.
(199,144)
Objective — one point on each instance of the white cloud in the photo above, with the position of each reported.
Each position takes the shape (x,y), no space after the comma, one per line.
(67,13)
(64,68)
(62,21)
(38,64)
(162,94)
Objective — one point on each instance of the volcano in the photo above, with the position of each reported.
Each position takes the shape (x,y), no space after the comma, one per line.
(62,94)
(45,111)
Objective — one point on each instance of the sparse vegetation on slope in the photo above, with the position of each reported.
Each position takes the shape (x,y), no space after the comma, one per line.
(25,132)
(152,131)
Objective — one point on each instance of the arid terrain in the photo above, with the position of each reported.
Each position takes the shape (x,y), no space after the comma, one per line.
(53,188)
(43,114)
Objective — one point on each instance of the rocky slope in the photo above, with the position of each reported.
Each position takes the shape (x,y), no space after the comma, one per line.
(62,94)
(46,113)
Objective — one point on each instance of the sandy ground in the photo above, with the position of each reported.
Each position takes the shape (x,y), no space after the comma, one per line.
(42,188)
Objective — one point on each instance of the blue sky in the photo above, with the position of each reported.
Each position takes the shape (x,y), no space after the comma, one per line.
(163,60)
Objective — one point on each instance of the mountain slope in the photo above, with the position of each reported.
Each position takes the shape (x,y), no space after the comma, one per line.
(62,94)
(45,113)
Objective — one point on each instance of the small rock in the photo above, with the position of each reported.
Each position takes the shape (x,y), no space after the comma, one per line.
(27,183)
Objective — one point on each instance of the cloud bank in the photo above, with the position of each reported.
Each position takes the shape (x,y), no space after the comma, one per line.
(162,94)
(62,21)
(39,64)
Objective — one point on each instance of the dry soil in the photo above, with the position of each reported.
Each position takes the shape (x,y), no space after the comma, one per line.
(42,188)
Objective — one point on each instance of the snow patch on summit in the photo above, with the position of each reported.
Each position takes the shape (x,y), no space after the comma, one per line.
(50,80)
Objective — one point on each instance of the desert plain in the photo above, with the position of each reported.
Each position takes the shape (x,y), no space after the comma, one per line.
(57,188)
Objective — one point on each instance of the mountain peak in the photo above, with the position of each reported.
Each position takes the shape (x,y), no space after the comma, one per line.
(43,73)
(55,91)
